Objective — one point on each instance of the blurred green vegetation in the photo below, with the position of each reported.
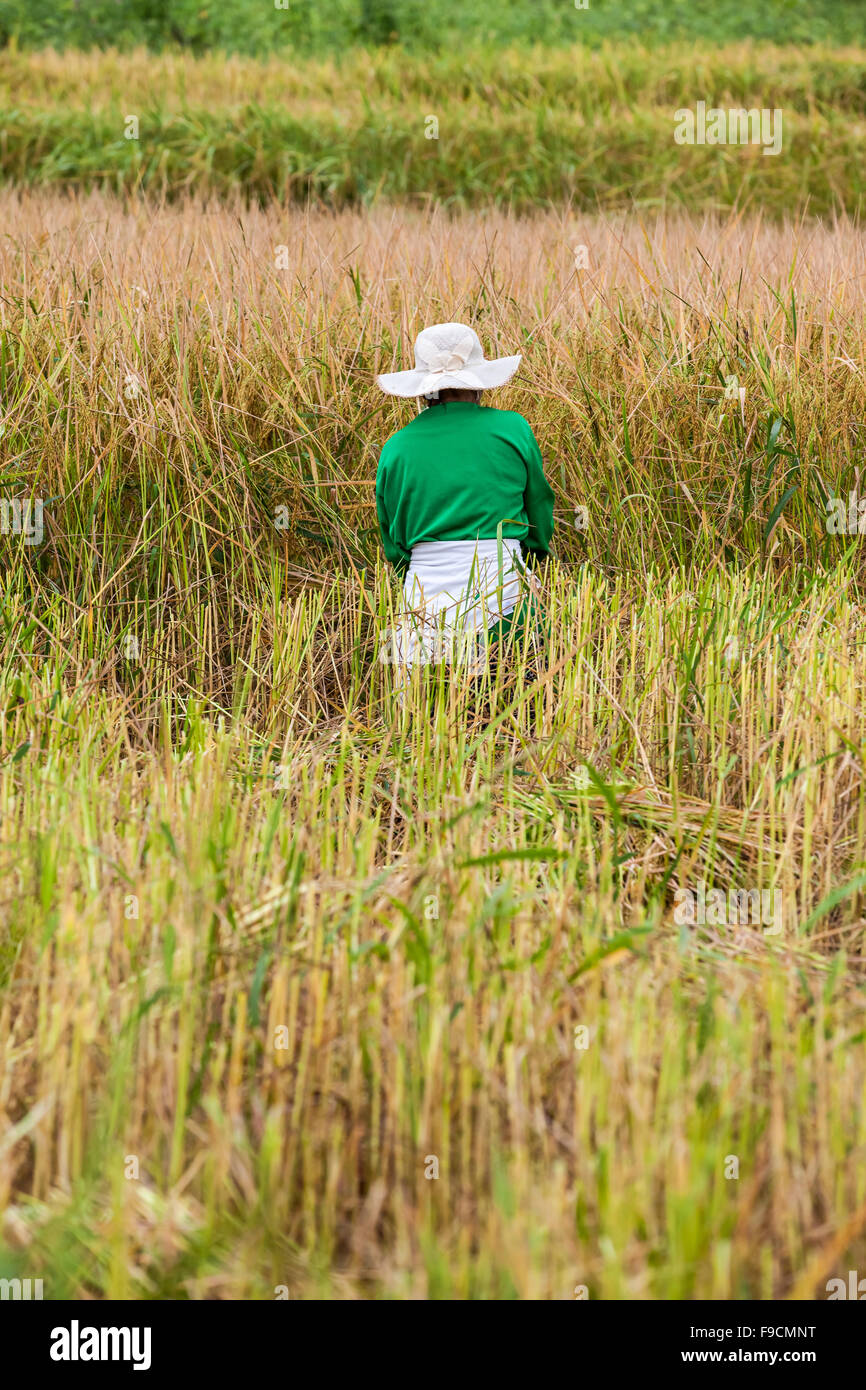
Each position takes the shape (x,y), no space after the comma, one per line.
(261,26)
(593,127)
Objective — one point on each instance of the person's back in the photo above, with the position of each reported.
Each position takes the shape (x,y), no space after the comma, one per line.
(462,471)
(459,491)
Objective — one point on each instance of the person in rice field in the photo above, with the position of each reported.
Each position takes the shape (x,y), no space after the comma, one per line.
(462,501)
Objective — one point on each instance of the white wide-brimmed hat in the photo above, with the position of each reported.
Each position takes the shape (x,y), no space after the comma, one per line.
(449,356)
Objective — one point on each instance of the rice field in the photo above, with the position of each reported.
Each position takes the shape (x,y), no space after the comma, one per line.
(306,992)
(469,126)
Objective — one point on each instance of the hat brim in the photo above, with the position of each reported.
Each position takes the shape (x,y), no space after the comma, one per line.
(481,376)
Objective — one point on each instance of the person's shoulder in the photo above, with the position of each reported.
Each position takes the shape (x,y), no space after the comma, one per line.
(511,417)
(509,421)
(391,448)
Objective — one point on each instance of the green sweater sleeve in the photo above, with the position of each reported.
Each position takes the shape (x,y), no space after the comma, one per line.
(394,552)
(537,498)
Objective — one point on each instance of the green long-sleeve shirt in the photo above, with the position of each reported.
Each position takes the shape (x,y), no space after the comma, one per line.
(454,473)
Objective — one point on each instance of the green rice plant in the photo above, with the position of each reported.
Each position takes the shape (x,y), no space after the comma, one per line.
(360,947)
(304,988)
(463,127)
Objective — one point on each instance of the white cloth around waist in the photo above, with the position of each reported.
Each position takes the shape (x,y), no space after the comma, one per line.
(456,587)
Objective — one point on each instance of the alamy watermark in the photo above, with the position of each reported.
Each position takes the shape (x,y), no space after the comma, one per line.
(22,516)
(856,1287)
(714,907)
(424,646)
(842,520)
(77,1343)
(20,1289)
(733,127)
